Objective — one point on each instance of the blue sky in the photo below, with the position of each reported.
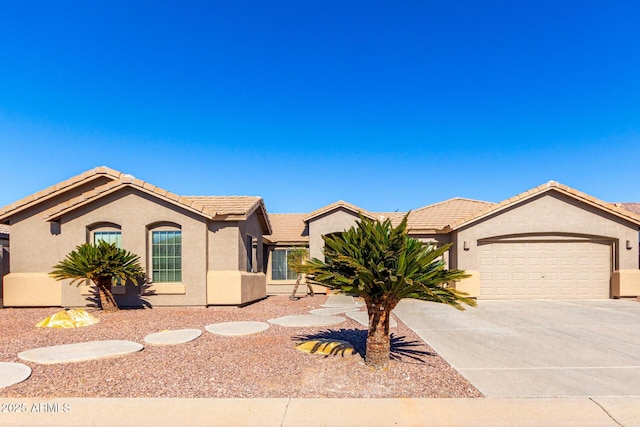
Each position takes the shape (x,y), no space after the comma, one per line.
(387,105)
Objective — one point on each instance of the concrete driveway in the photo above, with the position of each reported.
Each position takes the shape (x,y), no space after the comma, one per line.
(536,348)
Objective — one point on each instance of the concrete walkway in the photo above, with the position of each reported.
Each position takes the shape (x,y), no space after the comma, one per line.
(341,300)
(569,412)
(306,320)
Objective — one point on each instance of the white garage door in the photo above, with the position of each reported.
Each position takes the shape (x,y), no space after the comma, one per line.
(551,270)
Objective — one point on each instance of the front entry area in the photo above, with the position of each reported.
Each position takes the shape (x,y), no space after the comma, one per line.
(545,269)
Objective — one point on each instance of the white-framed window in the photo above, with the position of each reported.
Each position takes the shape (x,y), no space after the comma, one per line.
(107,231)
(166,256)
(280,265)
(108,236)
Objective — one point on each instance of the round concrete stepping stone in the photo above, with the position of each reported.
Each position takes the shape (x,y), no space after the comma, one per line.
(79,352)
(362,317)
(307,320)
(179,336)
(13,373)
(327,347)
(341,301)
(237,328)
(332,310)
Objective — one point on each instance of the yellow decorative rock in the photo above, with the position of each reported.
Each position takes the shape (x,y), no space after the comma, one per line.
(66,319)
(326,347)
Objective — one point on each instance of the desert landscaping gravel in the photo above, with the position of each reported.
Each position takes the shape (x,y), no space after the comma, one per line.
(262,365)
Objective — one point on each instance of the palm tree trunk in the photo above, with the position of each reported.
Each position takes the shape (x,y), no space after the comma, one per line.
(378,341)
(295,288)
(107,301)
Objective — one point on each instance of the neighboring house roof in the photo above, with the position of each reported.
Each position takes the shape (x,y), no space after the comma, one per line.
(438,216)
(338,205)
(632,207)
(544,188)
(288,229)
(218,208)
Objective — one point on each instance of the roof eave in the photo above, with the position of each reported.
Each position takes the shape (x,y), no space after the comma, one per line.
(334,208)
(168,197)
(287,242)
(57,189)
(543,189)
(411,231)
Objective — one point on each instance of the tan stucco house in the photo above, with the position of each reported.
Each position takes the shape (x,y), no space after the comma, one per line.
(196,250)
(549,242)
(4,254)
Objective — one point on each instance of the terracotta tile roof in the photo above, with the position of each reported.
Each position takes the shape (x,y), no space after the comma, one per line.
(234,208)
(115,185)
(337,205)
(227,205)
(439,215)
(550,186)
(288,228)
(100,171)
(395,217)
(632,207)
(217,207)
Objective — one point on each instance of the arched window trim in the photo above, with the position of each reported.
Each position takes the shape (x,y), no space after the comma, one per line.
(111,231)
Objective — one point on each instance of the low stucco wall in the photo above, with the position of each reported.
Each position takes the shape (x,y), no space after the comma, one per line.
(285,287)
(31,290)
(625,283)
(235,287)
(469,285)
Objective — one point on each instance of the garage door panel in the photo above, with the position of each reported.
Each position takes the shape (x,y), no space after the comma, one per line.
(560,269)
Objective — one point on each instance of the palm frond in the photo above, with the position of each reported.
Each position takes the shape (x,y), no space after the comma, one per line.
(381,262)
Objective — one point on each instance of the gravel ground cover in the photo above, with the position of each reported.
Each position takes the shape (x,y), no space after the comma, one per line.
(262,365)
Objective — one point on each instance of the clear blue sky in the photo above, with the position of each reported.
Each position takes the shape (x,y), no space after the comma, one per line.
(387,105)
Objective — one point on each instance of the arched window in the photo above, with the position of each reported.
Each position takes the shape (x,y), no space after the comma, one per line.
(106,231)
(166,253)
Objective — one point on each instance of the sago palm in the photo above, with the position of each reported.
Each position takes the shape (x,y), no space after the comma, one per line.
(104,264)
(383,265)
